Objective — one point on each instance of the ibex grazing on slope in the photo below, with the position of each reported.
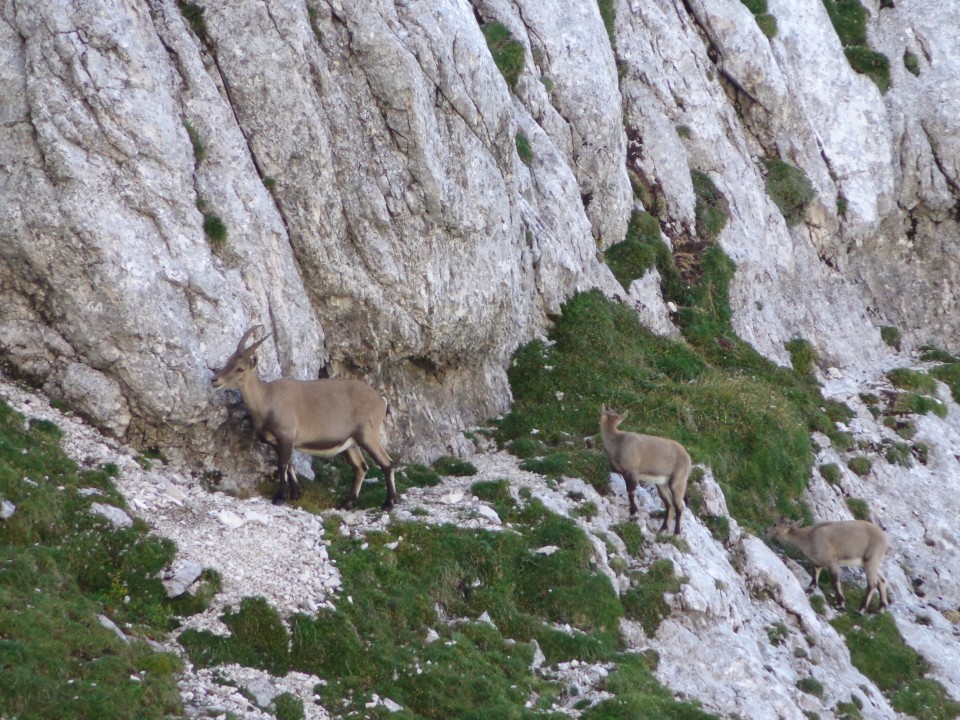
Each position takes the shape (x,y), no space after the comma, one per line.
(650,459)
(319,417)
(852,543)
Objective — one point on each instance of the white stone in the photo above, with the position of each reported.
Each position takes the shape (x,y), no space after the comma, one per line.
(116,516)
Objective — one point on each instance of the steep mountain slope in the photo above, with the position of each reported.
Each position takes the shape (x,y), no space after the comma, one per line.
(394,199)
(363,164)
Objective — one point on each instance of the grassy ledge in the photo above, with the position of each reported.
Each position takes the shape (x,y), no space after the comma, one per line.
(63,567)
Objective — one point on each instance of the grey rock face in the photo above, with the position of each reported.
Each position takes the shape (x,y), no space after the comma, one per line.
(380,223)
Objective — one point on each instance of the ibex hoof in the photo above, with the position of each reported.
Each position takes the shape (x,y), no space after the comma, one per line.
(345,505)
(279,500)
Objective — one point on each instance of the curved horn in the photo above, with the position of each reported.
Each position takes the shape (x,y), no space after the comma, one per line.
(243,340)
(250,350)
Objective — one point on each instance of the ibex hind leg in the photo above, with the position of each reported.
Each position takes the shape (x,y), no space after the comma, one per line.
(385,463)
(664,492)
(355,458)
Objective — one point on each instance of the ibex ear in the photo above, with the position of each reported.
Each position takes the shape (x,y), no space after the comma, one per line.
(253,360)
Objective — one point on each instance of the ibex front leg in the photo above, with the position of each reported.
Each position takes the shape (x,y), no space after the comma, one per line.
(289,484)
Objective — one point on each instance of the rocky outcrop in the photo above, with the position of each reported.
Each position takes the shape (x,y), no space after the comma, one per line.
(380,222)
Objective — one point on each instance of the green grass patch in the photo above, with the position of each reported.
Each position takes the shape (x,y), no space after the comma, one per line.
(333,479)
(849,19)
(214,229)
(524,151)
(376,641)
(891,336)
(860,465)
(632,537)
(811,686)
(642,248)
(507,52)
(878,651)
(907,379)
(911,62)
(830,472)
(609,15)
(712,209)
(60,568)
(637,694)
(732,409)
(875,65)
(789,188)
(913,403)
(199,148)
(949,374)
(193,14)
(859,508)
(448,465)
(766,21)
(645,602)
(803,356)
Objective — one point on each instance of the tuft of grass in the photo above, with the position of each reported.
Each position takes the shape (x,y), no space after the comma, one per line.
(61,567)
(891,336)
(949,373)
(907,379)
(287,706)
(830,472)
(878,651)
(899,454)
(448,465)
(645,602)
(789,188)
(642,248)
(778,633)
(912,63)
(858,508)
(906,403)
(609,15)
(859,465)
(507,52)
(199,147)
(849,19)
(214,229)
(523,149)
(193,14)
(632,537)
(803,356)
(766,21)
(811,686)
(875,65)
(712,209)
(258,639)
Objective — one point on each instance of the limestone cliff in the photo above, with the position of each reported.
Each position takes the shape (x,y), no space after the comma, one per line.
(362,160)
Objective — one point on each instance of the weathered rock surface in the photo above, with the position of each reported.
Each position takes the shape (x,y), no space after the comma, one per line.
(362,157)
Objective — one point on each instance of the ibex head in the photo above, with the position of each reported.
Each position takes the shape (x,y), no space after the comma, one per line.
(232,374)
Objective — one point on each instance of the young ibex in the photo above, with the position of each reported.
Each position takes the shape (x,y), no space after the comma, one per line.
(852,543)
(319,417)
(650,459)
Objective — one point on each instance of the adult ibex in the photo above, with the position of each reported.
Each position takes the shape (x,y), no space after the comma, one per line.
(319,417)
(852,543)
(646,458)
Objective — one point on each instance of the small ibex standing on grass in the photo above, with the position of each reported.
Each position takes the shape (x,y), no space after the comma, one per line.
(650,459)
(852,543)
(319,417)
